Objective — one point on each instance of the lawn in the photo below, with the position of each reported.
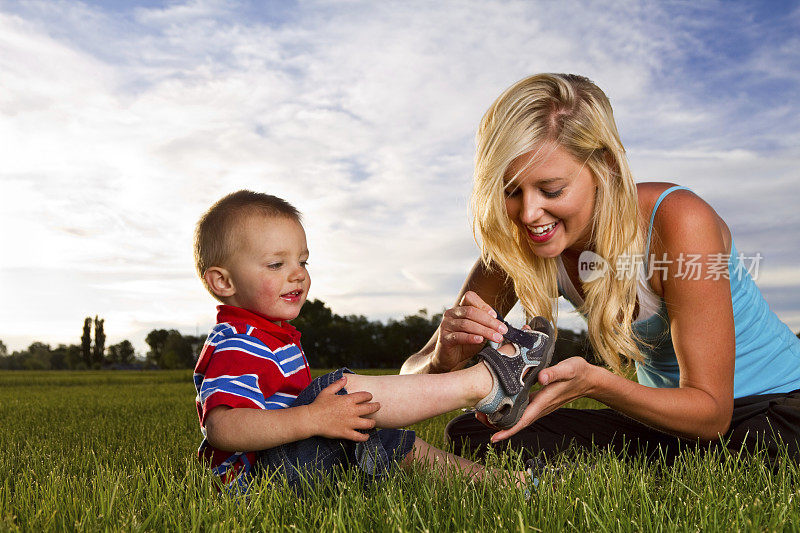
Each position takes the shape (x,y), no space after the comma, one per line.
(115,451)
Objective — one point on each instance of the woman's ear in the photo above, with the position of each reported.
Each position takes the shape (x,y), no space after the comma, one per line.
(219,281)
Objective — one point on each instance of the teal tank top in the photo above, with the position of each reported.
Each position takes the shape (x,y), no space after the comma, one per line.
(767,352)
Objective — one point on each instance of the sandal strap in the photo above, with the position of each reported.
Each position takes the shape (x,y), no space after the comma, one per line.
(528,339)
(506,368)
(517,336)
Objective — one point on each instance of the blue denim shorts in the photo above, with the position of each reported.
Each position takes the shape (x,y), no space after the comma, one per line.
(314,459)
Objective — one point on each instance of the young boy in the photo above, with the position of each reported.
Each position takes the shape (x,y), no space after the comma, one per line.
(259,409)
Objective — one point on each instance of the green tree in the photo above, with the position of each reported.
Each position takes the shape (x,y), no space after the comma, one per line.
(86,342)
(121,353)
(99,347)
(73,359)
(37,357)
(177,352)
(156,340)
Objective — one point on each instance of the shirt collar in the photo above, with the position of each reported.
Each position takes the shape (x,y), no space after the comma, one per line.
(283,330)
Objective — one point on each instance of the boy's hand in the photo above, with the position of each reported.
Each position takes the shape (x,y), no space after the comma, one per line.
(341,416)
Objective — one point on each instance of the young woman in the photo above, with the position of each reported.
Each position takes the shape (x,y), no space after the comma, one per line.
(669,291)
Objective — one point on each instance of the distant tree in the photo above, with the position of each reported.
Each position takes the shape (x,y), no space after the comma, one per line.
(58,358)
(315,322)
(403,337)
(330,340)
(197,342)
(86,342)
(177,352)
(121,353)
(99,347)
(3,349)
(37,357)
(73,359)
(156,340)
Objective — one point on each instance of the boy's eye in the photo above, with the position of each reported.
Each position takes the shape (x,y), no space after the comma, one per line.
(274,266)
(553,194)
(304,264)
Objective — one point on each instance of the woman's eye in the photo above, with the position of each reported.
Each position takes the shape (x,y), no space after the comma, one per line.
(511,193)
(553,194)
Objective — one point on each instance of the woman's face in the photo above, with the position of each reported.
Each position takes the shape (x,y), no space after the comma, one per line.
(551,200)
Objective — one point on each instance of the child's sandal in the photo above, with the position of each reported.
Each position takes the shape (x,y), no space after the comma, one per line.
(514,375)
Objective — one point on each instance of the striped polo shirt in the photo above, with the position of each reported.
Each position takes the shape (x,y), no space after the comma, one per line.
(248,361)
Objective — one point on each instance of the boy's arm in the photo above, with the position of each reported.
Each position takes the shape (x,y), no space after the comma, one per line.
(330,415)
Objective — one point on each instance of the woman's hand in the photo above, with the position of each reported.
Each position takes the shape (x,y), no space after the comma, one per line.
(562,383)
(463,331)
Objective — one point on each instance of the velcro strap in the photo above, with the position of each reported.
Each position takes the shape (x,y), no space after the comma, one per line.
(520,337)
(507,369)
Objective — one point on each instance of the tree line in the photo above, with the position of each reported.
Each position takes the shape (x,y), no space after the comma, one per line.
(329,341)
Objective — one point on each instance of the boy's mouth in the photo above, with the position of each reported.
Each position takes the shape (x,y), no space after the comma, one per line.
(292,296)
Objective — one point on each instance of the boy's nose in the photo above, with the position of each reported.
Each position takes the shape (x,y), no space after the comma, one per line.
(298,273)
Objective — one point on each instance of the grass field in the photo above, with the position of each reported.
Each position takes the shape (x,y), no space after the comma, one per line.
(115,451)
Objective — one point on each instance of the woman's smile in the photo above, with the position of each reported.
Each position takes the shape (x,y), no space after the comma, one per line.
(543,233)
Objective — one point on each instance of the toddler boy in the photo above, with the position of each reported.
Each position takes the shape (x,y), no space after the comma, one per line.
(259,409)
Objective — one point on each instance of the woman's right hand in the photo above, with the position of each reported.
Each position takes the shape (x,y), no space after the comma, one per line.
(463,331)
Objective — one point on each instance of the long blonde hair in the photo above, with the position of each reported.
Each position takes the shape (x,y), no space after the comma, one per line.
(574,113)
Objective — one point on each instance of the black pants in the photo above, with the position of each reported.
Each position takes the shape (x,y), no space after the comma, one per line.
(760,421)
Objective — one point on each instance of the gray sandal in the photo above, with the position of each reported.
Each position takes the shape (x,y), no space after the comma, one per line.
(514,375)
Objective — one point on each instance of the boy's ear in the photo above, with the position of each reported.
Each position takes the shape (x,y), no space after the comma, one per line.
(220,282)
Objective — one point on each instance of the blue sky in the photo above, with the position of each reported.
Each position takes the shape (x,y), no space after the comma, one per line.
(120,122)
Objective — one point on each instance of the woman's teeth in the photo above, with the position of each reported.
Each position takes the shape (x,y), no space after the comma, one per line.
(541,230)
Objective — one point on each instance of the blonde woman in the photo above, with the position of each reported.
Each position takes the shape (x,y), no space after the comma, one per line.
(651,266)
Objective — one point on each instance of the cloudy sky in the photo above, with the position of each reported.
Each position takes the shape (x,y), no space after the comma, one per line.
(121,122)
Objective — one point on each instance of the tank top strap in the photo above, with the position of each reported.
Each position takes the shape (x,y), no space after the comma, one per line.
(653,216)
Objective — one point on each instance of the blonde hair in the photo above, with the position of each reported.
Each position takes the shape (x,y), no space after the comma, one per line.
(218,231)
(572,112)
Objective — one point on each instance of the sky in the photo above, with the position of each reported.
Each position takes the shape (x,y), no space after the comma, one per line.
(121,122)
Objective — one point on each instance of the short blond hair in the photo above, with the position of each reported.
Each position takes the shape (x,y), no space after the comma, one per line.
(218,231)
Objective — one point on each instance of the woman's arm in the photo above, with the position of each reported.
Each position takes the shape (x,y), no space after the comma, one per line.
(467,325)
(701,321)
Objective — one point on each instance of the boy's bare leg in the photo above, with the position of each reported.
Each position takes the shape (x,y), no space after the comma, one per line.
(410,398)
(445,463)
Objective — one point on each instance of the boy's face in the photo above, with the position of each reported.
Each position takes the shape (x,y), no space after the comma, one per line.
(268,269)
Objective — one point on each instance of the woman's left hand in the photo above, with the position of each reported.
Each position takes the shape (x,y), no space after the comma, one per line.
(561,384)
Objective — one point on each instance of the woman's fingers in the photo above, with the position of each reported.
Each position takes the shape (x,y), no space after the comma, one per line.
(474,319)
(472,298)
(457,337)
(563,371)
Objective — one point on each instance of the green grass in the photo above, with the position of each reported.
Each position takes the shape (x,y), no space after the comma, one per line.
(115,451)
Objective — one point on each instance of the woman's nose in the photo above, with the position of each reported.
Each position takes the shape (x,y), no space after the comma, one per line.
(531,209)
